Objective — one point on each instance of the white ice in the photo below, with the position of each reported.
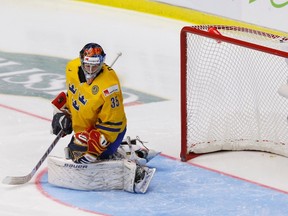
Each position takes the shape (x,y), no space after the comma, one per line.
(150,63)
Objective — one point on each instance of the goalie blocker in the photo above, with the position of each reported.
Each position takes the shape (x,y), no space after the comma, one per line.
(104,175)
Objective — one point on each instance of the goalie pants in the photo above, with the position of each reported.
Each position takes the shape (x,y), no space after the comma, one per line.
(111,149)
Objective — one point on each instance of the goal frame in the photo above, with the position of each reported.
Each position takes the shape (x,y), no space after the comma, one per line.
(184,155)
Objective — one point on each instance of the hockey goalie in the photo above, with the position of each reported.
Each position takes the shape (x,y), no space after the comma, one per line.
(92,108)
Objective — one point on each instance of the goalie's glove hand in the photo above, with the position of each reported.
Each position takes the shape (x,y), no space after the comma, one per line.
(61,121)
(95,142)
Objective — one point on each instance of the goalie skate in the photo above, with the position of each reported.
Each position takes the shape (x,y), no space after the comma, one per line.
(132,151)
(144,176)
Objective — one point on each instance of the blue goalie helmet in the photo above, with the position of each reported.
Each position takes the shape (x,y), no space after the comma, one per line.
(92,58)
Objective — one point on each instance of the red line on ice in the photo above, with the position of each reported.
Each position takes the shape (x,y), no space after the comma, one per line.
(24,112)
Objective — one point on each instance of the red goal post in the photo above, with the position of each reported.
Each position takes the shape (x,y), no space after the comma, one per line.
(230,100)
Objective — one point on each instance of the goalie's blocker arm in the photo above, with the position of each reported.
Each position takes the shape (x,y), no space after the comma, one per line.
(61,118)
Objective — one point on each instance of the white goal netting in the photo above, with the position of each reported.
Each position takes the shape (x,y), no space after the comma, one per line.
(229,90)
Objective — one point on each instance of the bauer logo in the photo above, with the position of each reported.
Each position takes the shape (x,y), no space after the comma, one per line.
(76,166)
(42,76)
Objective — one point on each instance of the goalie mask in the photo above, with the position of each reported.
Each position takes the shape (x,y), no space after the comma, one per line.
(92,58)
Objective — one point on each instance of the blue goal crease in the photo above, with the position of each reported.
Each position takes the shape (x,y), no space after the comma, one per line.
(179,188)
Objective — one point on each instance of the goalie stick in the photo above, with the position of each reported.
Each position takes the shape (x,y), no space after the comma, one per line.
(118,55)
(18,180)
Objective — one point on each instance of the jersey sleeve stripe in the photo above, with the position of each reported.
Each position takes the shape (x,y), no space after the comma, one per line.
(113,123)
(107,128)
(110,123)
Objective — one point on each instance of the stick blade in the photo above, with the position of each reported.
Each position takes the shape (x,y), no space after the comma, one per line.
(16,180)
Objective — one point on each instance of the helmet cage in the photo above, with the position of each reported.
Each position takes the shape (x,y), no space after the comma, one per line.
(92,65)
(92,59)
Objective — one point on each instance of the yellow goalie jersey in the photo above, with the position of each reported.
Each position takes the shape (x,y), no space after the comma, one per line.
(98,105)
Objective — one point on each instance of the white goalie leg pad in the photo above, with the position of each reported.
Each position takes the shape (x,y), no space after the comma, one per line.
(283,90)
(104,175)
(134,171)
(143,183)
(129,175)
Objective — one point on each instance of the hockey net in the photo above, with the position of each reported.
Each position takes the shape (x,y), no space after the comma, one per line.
(229,82)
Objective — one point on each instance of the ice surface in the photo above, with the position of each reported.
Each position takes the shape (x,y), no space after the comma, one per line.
(150,63)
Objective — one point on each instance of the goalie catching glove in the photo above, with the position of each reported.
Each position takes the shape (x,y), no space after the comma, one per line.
(87,146)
